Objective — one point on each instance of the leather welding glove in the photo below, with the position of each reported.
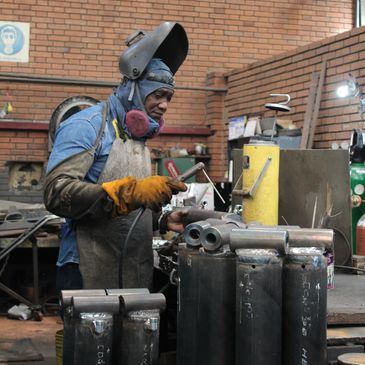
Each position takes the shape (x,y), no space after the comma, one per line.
(151,192)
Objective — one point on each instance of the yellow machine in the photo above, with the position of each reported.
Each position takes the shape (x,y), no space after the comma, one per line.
(261,183)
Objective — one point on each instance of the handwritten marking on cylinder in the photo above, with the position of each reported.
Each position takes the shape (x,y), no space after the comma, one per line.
(246,287)
(307,318)
(304,357)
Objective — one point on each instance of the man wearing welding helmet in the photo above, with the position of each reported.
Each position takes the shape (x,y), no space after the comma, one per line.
(99,170)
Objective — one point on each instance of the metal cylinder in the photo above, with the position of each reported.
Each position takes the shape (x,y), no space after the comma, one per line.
(193,231)
(187,299)
(214,237)
(259,239)
(127,291)
(309,237)
(105,304)
(304,309)
(93,339)
(209,281)
(258,308)
(303,237)
(66,295)
(137,340)
(136,302)
(191,215)
(70,321)
(74,302)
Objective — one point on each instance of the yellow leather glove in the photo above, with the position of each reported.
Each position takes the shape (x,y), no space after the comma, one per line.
(151,192)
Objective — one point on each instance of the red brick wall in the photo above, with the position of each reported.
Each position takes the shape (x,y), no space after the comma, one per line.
(290,73)
(83,39)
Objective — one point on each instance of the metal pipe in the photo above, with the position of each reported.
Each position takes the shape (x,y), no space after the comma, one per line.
(192,215)
(139,302)
(259,239)
(66,295)
(303,237)
(127,291)
(193,231)
(96,304)
(309,237)
(214,237)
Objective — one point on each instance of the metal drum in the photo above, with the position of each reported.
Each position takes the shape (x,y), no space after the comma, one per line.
(304,308)
(258,307)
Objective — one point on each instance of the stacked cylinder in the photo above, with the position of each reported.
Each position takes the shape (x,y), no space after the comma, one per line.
(252,295)
(112,326)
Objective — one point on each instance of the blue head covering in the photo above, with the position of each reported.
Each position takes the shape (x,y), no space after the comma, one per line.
(131,94)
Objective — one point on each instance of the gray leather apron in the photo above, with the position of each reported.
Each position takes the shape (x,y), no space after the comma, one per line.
(101,243)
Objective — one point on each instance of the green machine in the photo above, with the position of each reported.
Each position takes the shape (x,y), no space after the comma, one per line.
(357,180)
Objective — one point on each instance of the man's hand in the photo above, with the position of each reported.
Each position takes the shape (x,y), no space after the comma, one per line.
(174,221)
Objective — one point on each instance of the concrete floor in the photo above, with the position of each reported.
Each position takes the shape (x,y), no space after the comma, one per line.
(42,335)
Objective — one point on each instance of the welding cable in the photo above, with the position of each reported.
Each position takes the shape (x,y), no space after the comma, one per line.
(348,244)
(183,177)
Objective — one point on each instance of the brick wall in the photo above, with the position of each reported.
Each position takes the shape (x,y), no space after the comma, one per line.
(82,41)
(290,73)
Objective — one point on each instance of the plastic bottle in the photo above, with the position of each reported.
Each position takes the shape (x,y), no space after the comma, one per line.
(360,236)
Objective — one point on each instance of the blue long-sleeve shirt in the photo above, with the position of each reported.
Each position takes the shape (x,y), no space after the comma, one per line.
(77,134)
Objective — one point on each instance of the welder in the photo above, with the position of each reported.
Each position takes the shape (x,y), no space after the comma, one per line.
(99,170)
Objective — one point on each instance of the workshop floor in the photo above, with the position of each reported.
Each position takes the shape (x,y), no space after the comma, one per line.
(42,335)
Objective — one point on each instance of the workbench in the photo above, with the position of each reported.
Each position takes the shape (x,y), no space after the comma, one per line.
(346,301)
(345,315)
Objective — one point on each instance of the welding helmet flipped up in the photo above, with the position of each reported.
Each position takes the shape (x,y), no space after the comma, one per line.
(167,42)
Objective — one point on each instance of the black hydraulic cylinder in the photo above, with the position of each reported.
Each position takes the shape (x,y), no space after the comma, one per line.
(258,308)
(93,339)
(304,309)
(208,279)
